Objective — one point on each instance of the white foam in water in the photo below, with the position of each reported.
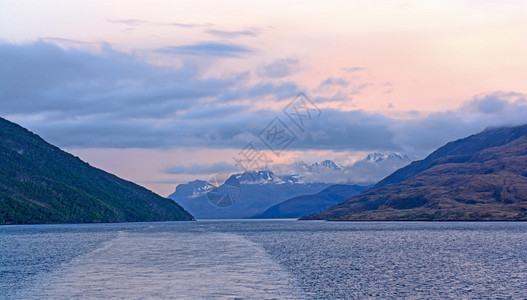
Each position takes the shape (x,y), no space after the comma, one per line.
(166,265)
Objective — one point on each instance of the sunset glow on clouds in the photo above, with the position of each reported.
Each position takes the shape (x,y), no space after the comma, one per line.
(174,83)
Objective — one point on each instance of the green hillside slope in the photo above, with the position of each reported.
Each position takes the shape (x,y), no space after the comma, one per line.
(39,183)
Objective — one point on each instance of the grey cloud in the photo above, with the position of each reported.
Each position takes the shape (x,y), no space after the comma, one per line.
(363,171)
(63,41)
(129,22)
(76,98)
(208,49)
(279,90)
(196,169)
(490,105)
(138,22)
(41,77)
(358,130)
(335,81)
(282,91)
(352,130)
(232,34)
(357,90)
(494,102)
(353,69)
(280,68)
(334,130)
(339,96)
(219,112)
(424,134)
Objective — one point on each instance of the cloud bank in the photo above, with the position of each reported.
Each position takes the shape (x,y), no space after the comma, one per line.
(108,98)
(207,49)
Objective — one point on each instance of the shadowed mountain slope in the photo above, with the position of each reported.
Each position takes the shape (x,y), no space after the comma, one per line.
(39,183)
(481,177)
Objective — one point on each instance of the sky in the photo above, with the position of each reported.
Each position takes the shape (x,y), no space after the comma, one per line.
(163,92)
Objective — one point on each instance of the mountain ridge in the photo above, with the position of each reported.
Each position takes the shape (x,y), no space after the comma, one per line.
(255,192)
(480,177)
(298,206)
(260,190)
(40,183)
(457,148)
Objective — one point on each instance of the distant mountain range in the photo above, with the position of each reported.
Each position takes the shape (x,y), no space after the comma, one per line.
(481,177)
(299,206)
(263,190)
(242,195)
(327,164)
(366,171)
(377,157)
(39,183)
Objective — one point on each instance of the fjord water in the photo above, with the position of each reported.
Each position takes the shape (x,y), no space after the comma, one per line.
(264,260)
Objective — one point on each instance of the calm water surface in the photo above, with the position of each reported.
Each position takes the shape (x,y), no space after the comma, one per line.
(264,260)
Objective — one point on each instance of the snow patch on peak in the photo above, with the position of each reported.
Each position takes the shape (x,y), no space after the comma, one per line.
(257,177)
(382,156)
(328,164)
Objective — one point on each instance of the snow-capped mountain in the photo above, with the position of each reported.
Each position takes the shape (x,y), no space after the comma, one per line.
(192,189)
(326,164)
(383,156)
(366,171)
(375,166)
(248,194)
(242,195)
(264,177)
